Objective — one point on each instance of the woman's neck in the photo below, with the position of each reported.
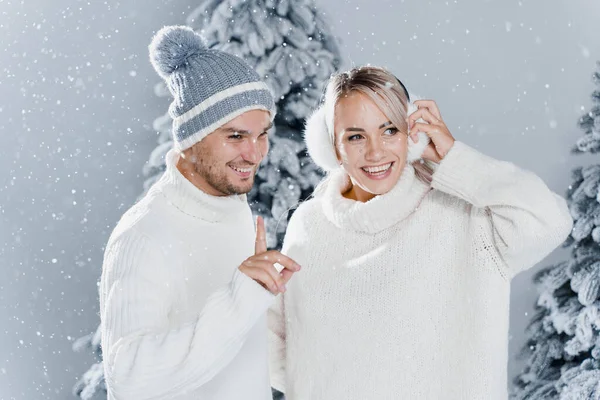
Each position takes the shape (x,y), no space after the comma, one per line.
(357,194)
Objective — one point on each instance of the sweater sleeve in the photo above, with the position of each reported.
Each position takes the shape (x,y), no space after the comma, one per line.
(144,357)
(277,350)
(522,219)
(276,317)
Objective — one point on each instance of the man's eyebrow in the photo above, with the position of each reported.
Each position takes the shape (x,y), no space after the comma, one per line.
(232,129)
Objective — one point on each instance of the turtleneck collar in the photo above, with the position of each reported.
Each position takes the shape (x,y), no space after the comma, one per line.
(377,214)
(192,201)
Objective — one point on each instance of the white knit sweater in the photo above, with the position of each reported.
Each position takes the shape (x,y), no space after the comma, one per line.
(406,296)
(179,320)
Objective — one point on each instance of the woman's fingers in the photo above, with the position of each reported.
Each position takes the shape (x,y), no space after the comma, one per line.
(441,140)
(434,127)
(425,114)
(431,105)
(425,128)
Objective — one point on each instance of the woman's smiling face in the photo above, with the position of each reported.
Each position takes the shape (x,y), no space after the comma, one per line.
(370,147)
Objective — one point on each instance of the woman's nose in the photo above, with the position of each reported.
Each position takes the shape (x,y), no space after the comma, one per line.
(375,150)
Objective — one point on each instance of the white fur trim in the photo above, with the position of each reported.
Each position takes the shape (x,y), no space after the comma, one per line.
(415,150)
(318,141)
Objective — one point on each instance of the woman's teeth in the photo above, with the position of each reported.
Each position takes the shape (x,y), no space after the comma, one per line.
(377,170)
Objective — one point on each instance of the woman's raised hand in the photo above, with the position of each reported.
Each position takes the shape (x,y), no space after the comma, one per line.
(434,127)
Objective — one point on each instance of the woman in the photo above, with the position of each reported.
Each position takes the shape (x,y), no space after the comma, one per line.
(404,291)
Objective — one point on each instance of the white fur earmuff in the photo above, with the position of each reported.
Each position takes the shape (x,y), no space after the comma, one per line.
(415,150)
(319,143)
(321,148)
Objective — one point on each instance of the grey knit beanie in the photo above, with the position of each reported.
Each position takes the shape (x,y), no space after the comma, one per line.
(210,87)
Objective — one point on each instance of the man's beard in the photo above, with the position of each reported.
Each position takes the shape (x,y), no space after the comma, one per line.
(221,183)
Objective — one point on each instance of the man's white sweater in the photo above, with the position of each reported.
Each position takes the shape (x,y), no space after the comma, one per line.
(406,296)
(179,320)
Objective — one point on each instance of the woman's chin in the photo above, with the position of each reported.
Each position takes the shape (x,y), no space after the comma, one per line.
(378,185)
(376,188)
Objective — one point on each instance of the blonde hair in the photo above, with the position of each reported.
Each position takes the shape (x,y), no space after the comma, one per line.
(386,92)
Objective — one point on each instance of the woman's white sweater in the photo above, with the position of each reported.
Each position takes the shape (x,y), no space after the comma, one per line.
(406,296)
(179,320)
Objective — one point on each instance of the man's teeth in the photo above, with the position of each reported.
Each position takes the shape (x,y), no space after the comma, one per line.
(374,170)
(242,170)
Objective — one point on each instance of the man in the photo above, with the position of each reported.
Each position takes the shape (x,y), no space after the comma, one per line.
(185,285)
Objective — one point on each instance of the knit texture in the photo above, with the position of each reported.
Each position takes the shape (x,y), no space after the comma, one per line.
(407,296)
(178,318)
(209,87)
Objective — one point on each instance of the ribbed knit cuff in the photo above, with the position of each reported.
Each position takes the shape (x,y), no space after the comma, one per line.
(249,294)
(463,172)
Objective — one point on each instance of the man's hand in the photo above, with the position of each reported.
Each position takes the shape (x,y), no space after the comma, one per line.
(261,266)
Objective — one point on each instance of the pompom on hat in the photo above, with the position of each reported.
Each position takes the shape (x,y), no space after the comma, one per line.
(209,87)
(319,138)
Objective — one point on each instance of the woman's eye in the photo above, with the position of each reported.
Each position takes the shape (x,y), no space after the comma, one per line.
(235,136)
(354,137)
(390,131)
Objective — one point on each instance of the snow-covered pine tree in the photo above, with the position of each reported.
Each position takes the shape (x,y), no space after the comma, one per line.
(289,44)
(91,385)
(563,347)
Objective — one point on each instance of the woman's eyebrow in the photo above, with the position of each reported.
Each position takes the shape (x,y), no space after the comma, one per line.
(354,129)
(357,129)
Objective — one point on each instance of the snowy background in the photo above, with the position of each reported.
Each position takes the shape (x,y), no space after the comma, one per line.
(77,105)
